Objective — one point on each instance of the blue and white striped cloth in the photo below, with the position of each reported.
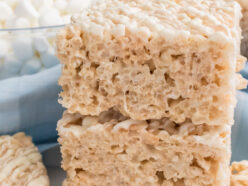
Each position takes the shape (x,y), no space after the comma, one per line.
(29,104)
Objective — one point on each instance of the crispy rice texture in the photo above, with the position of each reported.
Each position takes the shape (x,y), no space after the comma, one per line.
(112,150)
(152,59)
(239,172)
(20,162)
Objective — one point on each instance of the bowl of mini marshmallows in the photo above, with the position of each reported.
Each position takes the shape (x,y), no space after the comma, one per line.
(27,33)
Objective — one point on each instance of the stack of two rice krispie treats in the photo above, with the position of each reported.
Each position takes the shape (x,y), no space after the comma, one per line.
(150,90)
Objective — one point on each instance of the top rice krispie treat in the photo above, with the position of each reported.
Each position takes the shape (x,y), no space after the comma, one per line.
(152,59)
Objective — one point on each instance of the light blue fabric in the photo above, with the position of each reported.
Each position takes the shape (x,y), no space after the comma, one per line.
(30,104)
(244,73)
(240,128)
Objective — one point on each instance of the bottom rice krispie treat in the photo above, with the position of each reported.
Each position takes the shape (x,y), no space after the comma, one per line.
(112,150)
(20,162)
(239,175)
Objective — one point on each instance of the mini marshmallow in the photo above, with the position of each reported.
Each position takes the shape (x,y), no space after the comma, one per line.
(60,4)
(44,9)
(4,48)
(41,44)
(28,47)
(24,8)
(31,67)
(10,2)
(23,48)
(49,59)
(77,5)
(4,35)
(66,19)
(10,23)
(22,23)
(50,17)
(5,11)
(41,3)
(12,65)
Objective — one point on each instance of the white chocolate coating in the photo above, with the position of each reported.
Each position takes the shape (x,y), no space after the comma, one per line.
(21,163)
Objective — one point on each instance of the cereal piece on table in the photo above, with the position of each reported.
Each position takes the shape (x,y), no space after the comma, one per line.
(21,163)
(152,59)
(114,150)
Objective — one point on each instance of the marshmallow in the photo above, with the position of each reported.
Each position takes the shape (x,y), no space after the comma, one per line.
(50,17)
(5,11)
(60,4)
(4,48)
(41,3)
(10,23)
(22,23)
(25,8)
(10,2)
(4,35)
(12,65)
(31,67)
(41,44)
(23,48)
(27,52)
(67,19)
(49,59)
(77,5)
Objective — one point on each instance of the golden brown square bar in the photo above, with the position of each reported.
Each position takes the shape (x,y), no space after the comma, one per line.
(112,150)
(153,59)
(20,162)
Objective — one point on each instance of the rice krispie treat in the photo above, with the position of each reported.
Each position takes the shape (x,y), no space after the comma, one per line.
(239,172)
(115,150)
(20,162)
(153,59)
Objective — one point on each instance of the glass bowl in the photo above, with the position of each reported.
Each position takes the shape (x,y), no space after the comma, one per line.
(25,51)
